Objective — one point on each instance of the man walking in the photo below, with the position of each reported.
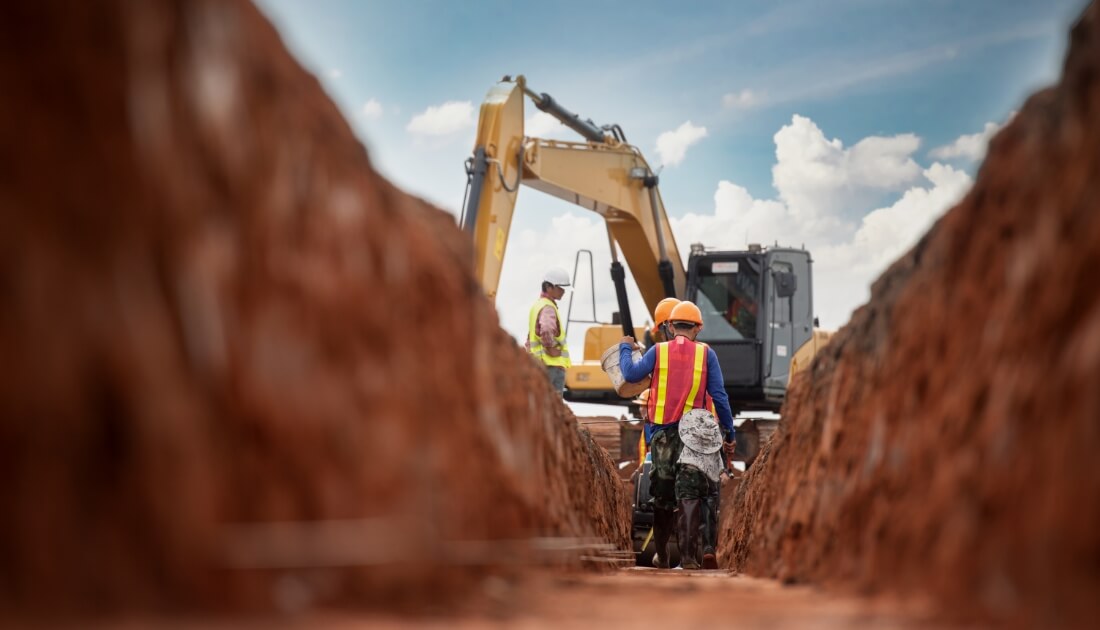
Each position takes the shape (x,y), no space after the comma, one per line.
(685,376)
(545,334)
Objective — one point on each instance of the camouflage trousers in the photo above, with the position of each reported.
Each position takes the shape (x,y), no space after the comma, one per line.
(692,484)
(669,481)
(665,446)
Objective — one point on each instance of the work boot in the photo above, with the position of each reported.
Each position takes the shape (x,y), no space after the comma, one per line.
(691,512)
(710,561)
(662,530)
(710,532)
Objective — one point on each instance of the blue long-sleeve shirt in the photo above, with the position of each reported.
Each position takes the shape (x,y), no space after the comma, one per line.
(634,372)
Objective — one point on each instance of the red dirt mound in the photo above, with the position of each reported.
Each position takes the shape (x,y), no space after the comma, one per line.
(241,369)
(946,442)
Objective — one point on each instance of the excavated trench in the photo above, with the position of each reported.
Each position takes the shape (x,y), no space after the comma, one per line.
(245,373)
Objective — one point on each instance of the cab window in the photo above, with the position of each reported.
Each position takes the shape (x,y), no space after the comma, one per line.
(727,292)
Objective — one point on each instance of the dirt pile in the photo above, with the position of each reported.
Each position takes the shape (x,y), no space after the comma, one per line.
(946,442)
(241,369)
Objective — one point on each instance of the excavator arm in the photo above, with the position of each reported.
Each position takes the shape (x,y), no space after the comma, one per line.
(603,174)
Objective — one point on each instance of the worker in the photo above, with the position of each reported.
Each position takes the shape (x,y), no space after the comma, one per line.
(684,374)
(660,319)
(545,334)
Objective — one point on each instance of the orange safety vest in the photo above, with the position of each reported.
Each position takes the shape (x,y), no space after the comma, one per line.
(679,380)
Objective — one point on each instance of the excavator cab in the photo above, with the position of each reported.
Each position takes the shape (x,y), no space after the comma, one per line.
(757,310)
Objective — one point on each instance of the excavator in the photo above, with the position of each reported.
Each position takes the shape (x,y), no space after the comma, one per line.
(757,304)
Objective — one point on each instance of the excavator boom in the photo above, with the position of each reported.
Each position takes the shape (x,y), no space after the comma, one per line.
(603,174)
(609,180)
(494,172)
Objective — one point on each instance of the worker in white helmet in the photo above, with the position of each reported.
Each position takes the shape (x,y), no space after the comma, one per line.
(545,333)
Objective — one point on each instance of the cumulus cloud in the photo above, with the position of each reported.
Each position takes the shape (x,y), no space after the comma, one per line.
(970,146)
(745,99)
(818,177)
(371,110)
(827,200)
(672,145)
(443,120)
(886,233)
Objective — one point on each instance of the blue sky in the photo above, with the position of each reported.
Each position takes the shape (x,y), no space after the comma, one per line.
(843,124)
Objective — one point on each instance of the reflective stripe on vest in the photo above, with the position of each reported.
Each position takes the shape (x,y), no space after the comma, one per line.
(679,380)
(534,342)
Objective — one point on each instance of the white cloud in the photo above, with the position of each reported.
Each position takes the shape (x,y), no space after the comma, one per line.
(826,201)
(672,146)
(334,73)
(820,178)
(442,120)
(371,110)
(886,233)
(543,125)
(744,99)
(971,146)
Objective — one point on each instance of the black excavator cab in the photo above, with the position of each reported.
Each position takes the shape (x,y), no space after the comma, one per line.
(757,310)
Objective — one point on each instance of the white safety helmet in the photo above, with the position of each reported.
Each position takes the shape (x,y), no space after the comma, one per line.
(557,277)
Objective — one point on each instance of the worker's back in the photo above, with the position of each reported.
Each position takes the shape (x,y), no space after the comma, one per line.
(680,379)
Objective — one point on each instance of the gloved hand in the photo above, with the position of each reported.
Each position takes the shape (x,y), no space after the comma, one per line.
(729,447)
(628,340)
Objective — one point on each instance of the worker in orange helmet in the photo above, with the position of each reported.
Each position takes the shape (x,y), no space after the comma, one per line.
(660,319)
(685,374)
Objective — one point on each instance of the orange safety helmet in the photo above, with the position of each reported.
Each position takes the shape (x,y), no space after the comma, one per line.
(686,312)
(662,312)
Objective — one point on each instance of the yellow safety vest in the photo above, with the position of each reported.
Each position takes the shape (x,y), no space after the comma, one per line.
(535,343)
